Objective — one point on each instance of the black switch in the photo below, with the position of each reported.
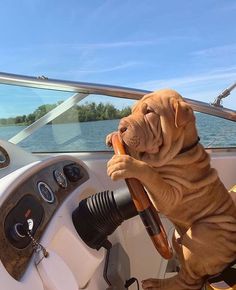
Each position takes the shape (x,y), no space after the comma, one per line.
(72,172)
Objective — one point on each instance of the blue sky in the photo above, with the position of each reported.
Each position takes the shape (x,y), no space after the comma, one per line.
(187,45)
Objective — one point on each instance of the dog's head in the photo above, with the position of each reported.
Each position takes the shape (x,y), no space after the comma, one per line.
(160,125)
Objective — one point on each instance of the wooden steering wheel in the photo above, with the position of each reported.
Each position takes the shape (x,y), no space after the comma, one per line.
(146,210)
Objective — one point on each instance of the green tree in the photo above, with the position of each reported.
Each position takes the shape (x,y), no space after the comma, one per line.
(125,112)
(110,112)
(43,110)
(79,113)
(30,119)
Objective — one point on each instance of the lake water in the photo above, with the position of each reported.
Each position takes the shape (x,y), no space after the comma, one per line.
(90,136)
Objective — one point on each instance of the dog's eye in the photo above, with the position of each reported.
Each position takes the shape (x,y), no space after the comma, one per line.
(149,110)
(145,109)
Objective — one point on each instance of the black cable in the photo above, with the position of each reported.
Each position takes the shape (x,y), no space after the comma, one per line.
(131,281)
(107,245)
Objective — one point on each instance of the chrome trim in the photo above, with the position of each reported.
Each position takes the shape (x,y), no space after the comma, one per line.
(52,196)
(226,92)
(70,86)
(18,234)
(116,91)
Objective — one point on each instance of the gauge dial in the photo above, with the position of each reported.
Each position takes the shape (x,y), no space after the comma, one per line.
(4,158)
(46,192)
(60,178)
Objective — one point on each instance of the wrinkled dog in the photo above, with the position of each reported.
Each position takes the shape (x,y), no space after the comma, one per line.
(167,158)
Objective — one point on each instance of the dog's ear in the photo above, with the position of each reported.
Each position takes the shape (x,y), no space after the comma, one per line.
(183,113)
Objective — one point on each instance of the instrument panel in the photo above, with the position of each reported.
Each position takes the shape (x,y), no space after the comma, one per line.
(32,204)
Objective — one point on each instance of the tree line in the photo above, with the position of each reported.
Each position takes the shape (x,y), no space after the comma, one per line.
(80,113)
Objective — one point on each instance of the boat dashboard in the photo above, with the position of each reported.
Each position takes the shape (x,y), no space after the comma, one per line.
(31,195)
(34,201)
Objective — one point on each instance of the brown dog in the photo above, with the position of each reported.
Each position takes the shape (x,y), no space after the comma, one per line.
(167,158)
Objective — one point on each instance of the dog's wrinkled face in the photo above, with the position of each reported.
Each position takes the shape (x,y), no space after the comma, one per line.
(142,129)
(157,123)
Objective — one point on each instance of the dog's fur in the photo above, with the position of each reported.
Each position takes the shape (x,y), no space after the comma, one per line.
(161,137)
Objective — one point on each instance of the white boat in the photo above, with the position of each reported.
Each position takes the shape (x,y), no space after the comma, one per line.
(51,161)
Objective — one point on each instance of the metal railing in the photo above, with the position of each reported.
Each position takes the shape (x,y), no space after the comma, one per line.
(100,89)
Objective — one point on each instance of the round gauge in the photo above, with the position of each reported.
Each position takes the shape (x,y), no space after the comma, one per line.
(60,178)
(46,192)
(4,158)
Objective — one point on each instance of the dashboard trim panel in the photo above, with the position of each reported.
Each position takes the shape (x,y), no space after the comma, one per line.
(16,259)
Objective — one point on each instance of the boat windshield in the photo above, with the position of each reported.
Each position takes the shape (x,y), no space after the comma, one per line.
(42,120)
(63,120)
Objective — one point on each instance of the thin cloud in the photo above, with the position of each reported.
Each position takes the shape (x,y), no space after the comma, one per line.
(223,74)
(130,43)
(81,46)
(202,87)
(94,45)
(214,51)
(116,44)
(105,69)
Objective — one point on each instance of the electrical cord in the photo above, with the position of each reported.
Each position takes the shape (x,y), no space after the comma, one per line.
(107,245)
(131,281)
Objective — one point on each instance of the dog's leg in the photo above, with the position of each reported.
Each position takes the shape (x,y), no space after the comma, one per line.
(179,282)
(186,279)
(125,166)
(205,249)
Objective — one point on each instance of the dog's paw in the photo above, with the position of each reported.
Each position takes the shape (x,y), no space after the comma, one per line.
(124,166)
(151,283)
(109,139)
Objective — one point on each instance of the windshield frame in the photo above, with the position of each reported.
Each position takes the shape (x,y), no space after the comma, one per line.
(80,90)
(101,89)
